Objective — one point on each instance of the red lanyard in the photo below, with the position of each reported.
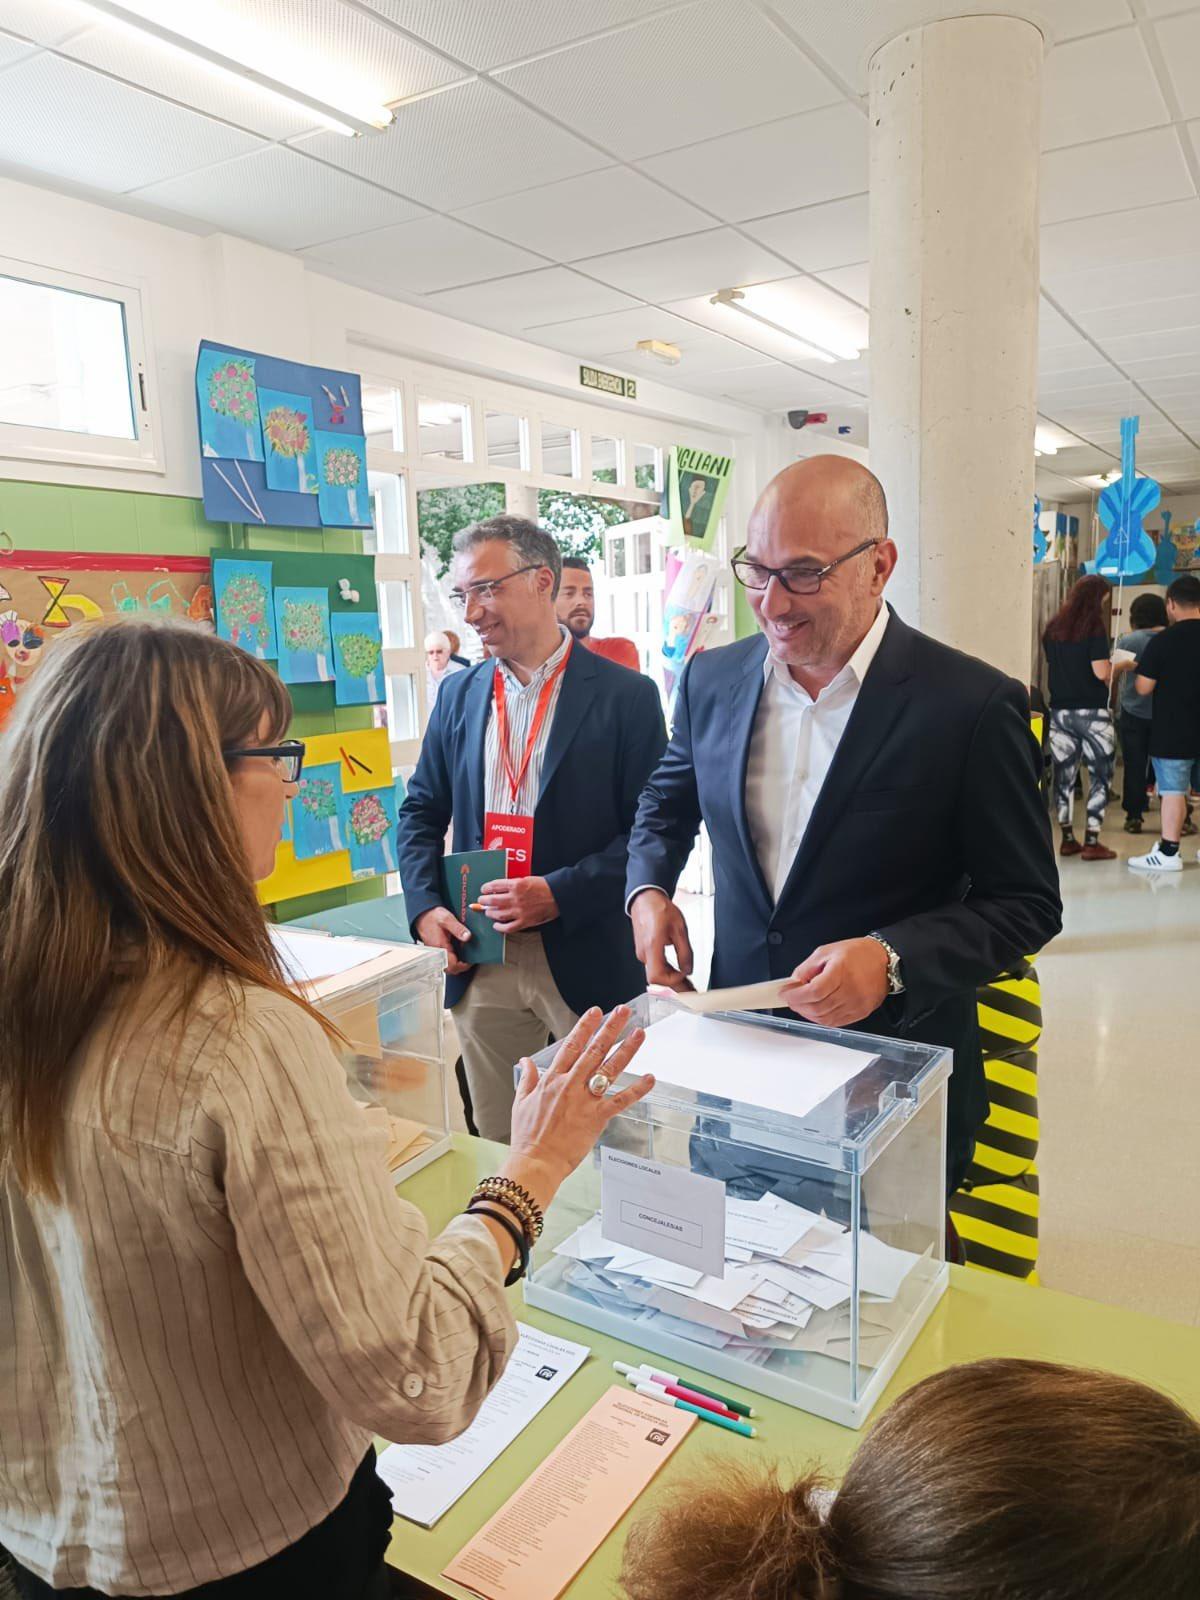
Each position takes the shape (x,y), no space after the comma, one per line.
(516,779)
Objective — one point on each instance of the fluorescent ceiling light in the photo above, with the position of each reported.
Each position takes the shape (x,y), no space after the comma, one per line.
(1048,441)
(825,343)
(661,350)
(340,118)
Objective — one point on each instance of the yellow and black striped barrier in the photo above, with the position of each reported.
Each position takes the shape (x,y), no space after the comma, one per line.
(996,1210)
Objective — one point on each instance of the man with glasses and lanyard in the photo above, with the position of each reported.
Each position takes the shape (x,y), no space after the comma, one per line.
(872,798)
(542,749)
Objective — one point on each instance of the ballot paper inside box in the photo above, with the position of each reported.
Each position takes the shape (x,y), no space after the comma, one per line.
(771,1214)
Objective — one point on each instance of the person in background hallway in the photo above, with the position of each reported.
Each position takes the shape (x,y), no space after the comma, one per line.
(213,1296)
(878,836)
(1081,726)
(996,1480)
(541,749)
(456,648)
(1147,616)
(439,665)
(576,606)
(1170,671)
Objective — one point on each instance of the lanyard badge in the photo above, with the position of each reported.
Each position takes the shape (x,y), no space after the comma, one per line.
(513,831)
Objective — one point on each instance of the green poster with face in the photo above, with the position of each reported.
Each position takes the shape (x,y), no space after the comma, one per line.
(697,483)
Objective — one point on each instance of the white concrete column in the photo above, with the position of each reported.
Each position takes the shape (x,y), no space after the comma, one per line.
(954,121)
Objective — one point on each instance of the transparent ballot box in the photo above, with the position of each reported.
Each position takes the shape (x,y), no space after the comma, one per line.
(772,1213)
(387,999)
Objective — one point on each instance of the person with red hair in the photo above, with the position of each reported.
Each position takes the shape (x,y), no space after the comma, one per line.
(1081,727)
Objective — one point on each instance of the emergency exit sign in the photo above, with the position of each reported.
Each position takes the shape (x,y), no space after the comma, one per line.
(608,383)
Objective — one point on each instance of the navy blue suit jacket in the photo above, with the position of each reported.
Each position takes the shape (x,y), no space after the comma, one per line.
(605,739)
(929,829)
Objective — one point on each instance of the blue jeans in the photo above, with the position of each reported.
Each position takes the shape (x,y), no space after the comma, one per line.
(1175,775)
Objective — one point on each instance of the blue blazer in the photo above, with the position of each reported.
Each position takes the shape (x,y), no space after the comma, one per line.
(929,829)
(605,739)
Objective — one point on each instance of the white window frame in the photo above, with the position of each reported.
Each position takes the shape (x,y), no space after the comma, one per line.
(140,454)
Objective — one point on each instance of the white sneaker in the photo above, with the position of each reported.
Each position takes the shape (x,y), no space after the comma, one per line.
(1155,861)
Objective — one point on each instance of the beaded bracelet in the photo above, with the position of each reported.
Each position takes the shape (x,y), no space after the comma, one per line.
(519,1200)
(512,1206)
(517,1272)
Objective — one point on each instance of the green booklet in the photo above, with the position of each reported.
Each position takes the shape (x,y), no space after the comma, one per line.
(463,876)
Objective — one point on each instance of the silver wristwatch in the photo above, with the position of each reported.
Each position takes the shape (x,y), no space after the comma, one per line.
(895,982)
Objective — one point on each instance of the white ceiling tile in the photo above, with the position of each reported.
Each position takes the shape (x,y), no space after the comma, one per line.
(14,49)
(1176,366)
(1147,233)
(1151,316)
(486,33)
(1053,328)
(1180,41)
(1193,130)
(614,337)
(700,360)
(1162,8)
(280,198)
(422,256)
(1168,390)
(1070,358)
(454,149)
(1104,286)
(100,132)
(839,35)
(555,294)
(44,21)
(852,281)
(1174,342)
(817,238)
(777,387)
(675,269)
(1140,169)
(1070,18)
(674,79)
(613,209)
(1098,88)
(768,168)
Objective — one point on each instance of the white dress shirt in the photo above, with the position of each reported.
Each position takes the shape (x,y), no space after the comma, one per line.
(520,700)
(792,747)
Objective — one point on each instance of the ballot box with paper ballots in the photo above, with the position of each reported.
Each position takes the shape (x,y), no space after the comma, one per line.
(387,1000)
(772,1213)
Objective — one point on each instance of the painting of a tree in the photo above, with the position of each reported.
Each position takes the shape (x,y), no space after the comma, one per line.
(287,433)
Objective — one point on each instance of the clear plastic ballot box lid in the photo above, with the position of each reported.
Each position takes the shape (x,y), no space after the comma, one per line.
(772,1213)
(387,1000)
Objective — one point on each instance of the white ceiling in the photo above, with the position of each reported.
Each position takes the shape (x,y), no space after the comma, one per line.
(587,173)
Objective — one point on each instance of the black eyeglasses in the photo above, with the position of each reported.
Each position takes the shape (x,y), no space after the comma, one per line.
(796,580)
(486,587)
(289,756)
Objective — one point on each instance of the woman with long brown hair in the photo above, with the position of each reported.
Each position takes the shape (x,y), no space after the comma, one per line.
(1081,726)
(997,1480)
(210,1295)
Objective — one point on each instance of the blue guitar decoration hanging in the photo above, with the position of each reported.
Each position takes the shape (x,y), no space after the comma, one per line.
(1164,563)
(1127,555)
(1040,546)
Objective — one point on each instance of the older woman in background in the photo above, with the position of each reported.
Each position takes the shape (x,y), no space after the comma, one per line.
(439,665)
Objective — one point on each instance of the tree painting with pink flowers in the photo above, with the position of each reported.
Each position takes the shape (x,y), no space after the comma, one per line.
(343,470)
(244,602)
(302,629)
(232,395)
(369,824)
(287,432)
(316,813)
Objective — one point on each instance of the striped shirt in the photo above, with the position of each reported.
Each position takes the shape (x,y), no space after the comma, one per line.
(199,1339)
(520,700)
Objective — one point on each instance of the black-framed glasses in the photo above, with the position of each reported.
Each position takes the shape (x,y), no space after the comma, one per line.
(289,755)
(796,580)
(484,590)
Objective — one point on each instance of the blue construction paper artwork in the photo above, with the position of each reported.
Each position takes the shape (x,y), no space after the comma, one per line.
(285,836)
(245,605)
(357,657)
(342,492)
(302,635)
(289,437)
(1040,543)
(369,829)
(317,813)
(227,394)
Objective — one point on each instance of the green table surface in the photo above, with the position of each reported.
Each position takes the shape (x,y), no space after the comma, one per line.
(980,1315)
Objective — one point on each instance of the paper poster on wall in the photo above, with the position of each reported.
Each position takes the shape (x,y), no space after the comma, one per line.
(316,812)
(357,657)
(45,592)
(245,604)
(289,440)
(369,824)
(302,634)
(697,483)
(259,421)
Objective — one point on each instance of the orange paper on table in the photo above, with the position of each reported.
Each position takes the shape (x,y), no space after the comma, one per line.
(541,1537)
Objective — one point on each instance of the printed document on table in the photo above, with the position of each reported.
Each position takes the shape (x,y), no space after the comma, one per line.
(759,1066)
(309,956)
(426,1479)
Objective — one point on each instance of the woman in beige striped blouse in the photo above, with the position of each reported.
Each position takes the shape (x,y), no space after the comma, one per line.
(210,1295)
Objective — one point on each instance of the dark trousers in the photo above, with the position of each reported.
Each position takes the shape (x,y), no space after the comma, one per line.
(340,1559)
(1135,751)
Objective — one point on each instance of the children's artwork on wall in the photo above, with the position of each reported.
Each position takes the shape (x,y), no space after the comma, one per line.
(697,484)
(246,606)
(286,836)
(45,592)
(316,813)
(302,635)
(289,440)
(369,824)
(260,418)
(357,657)
(342,491)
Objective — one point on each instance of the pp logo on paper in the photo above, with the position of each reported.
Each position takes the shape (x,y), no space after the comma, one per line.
(547,1373)
(657,1436)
